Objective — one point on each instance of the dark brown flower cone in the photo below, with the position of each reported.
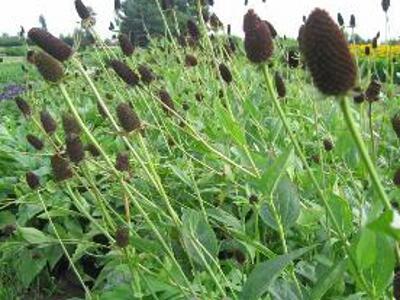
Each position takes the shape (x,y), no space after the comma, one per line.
(75,149)
(166,99)
(167,4)
(373,91)
(35,142)
(225,73)
(271,28)
(327,54)
(396,284)
(94,151)
(396,124)
(48,123)
(49,43)
(280,85)
(385,5)
(126,45)
(82,10)
(190,60)
(146,74)
(328,145)
(124,72)
(359,98)
(127,117)
(374,43)
(70,125)
(258,40)
(340,19)
(122,162)
(23,106)
(293,59)
(367,50)
(61,168)
(193,30)
(122,237)
(396,178)
(352,21)
(32,180)
(50,68)
(215,22)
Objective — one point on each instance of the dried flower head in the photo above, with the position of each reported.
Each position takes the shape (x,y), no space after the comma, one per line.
(23,106)
(293,59)
(50,68)
(49,43)
(340,19)
(48,123)
(146,74)
(32,180)
(167,4)
(127,117)
(166,100)
(352,21)
(61,168)
(359,98)
(258,40)
(396,124)
(225,73)
(122,162)
(373,91)
(327,54)
(396,284)
(193,30)
(124,72)
(271,28)
(94,151)
(190,60)
(75,148)
(122,237)
(82,10)
(125,44)
(70,125)
(35,142)
(328,145)
(367,50)
(280,85)
(385,5)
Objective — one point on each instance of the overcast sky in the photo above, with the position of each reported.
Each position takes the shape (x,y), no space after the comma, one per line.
(286,15)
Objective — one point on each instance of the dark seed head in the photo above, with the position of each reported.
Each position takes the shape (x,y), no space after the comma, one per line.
(166,99)
(340,19)
(94,151)
(359,98)
(70,125)
(271,28)
(23,106)
(352,21)
(253,199)
(167,4)
(193,30)
(258,40)
(125,73)
(385,5)
(50,68)
(75,149)
(396,178)
(49,43)
(122,237)
(122,162)
(127,117)
(373,91)
(82,10)
(327,54)
(396,284)
(125,44)
(328,145)
(32,180)
(396,124)
(35,142)
(190,60)
(367,50)
(374,43)
(293,59)
(280,85)
(146,74)
(61,168)
(48,123)
(225,73)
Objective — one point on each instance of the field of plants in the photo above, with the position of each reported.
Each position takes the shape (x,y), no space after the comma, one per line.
(203,166)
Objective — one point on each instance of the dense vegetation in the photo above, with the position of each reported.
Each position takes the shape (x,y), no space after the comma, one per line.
(200,167)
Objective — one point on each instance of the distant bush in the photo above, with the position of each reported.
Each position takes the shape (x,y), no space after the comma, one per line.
(10,41)
(14,51)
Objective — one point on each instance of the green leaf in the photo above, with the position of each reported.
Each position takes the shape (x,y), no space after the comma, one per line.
(34,236)
(387,223)
(328,280)
(261,278)
(342,211)
(197,231)
(6,218)
(287,204)
(231,126)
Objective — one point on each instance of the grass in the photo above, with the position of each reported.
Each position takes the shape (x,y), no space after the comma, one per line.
(232,194)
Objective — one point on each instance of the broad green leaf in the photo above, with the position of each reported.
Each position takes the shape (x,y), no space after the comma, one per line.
(387,223)
(328,280)
(342,212)
(287,204)
(224,218)
(261,278)
(231,126)
(198,236)
(34,236)
(6,218)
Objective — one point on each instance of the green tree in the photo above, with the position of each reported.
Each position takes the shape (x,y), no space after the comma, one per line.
(140,18)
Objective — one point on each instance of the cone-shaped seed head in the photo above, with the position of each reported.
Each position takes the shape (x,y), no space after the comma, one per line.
(75,149)
(48,123)
(50,68)
(70,125)
(23,106)
(258,40)
(122,237)
(328,145)
(280,85)
(49,43)
(385,5)
(61,168)
(94,151)
(166,100)
(193,30)
(225,73)
(35,142)
(126,45)
(124,72)
(327,54)
(396,124)
(32,180)
(127,117)
(146,74)
(373,91)
(82,10)
(122,162)
(190,60)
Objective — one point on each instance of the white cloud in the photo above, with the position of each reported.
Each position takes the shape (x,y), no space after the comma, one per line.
(286,15)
